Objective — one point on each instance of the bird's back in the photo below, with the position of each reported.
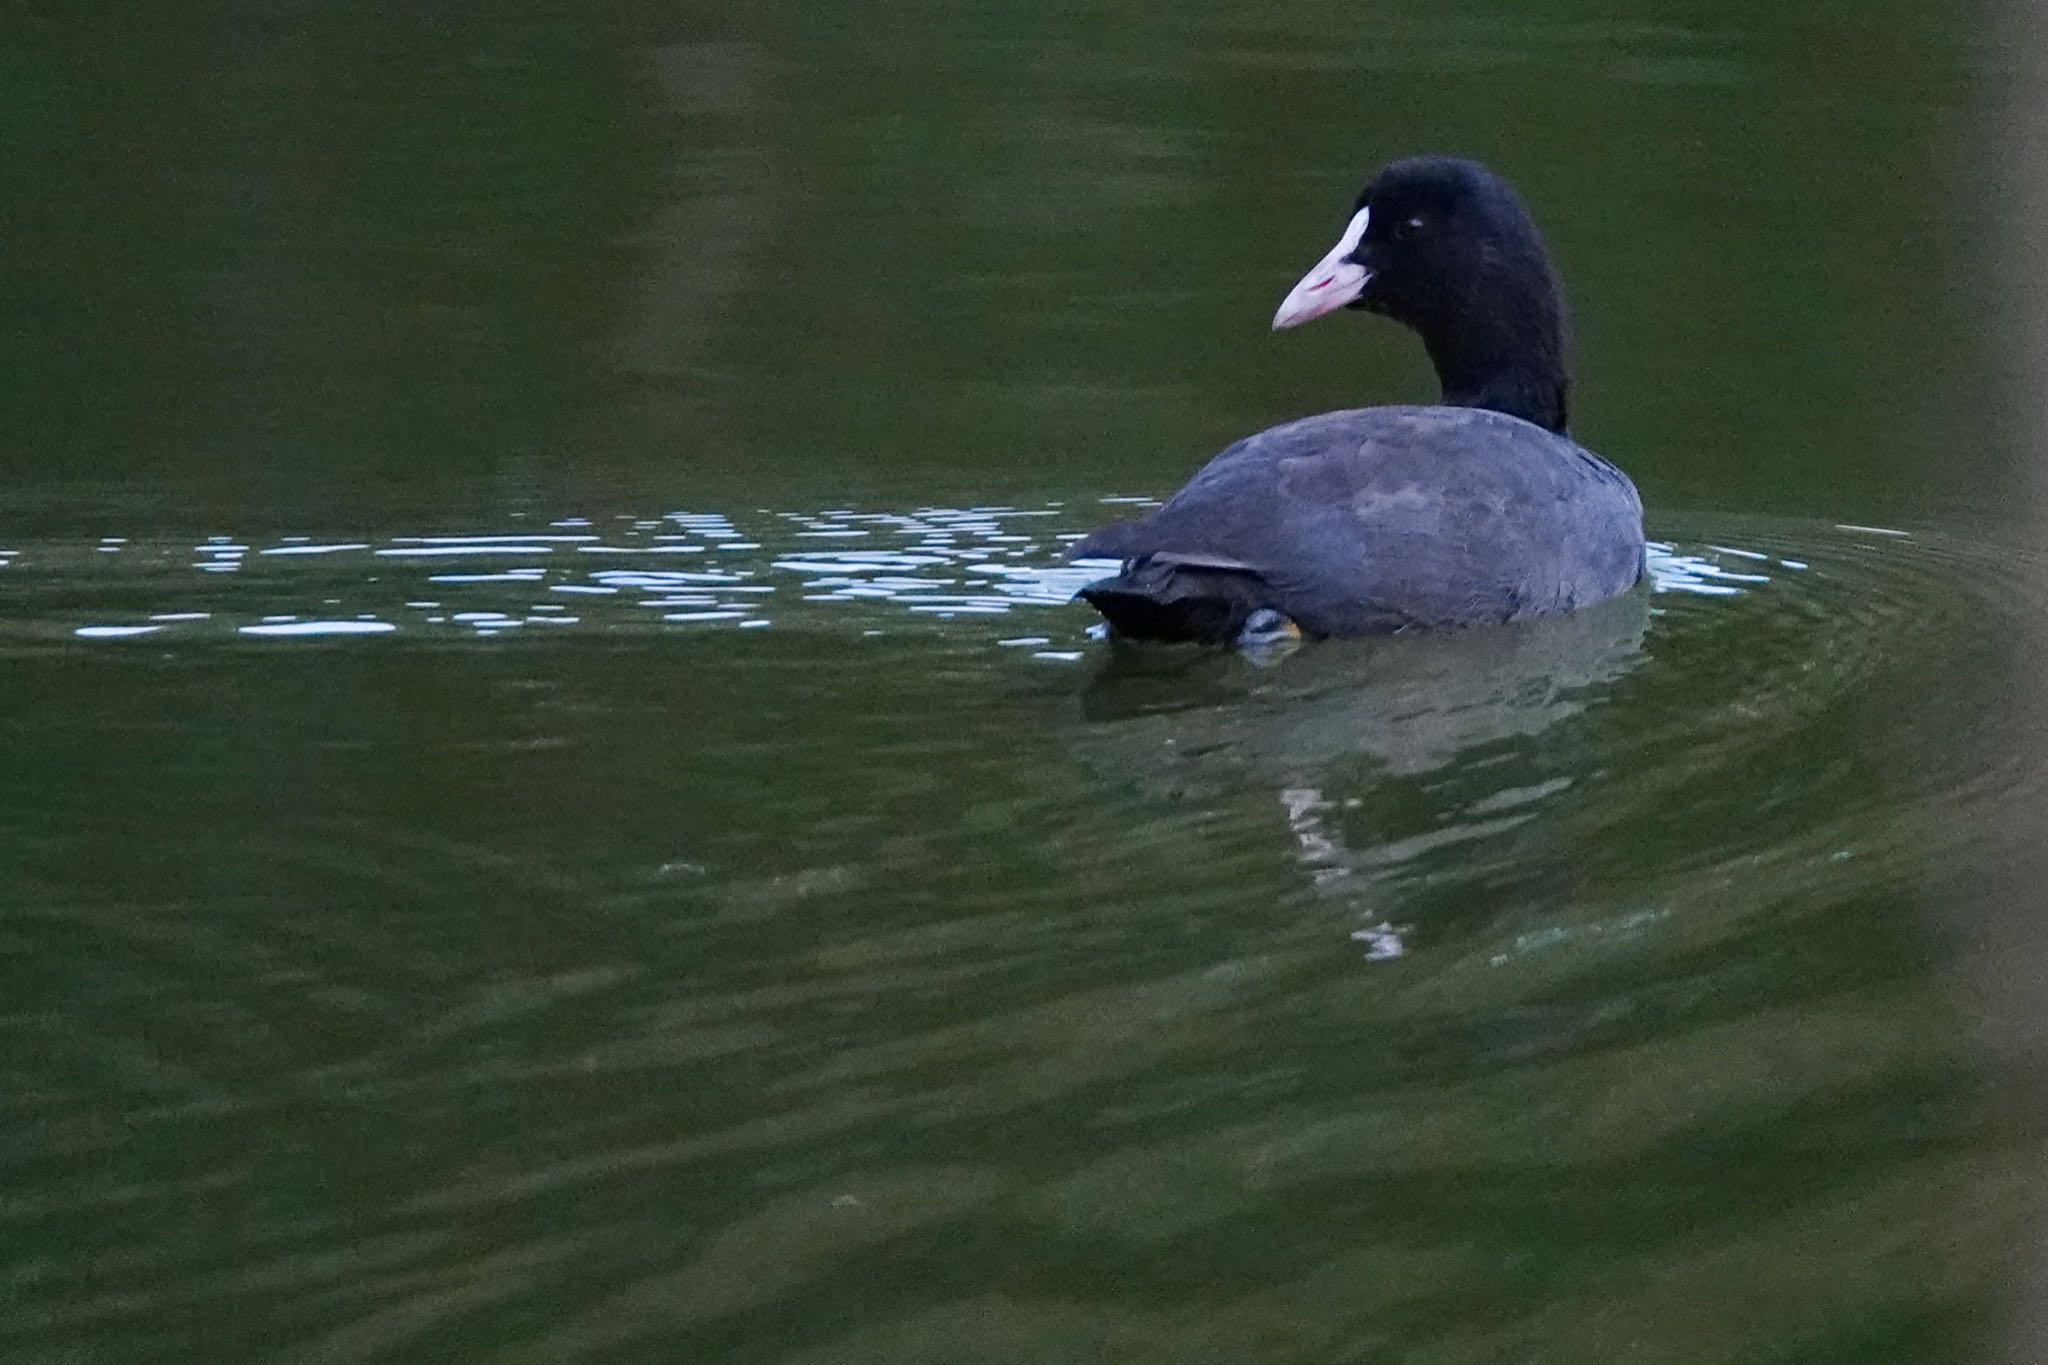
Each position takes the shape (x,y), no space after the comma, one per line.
(1378,519)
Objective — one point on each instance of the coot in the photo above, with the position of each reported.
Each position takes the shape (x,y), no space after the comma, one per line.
(1478,510)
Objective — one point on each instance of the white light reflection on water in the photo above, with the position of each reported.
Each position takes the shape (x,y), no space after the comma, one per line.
(419,551)
(114,632)
(1671,570)
(928,565)
(317,628)
(340,548)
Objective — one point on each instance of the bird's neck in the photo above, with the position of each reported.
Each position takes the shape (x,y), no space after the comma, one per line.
(1531,387)
(1501,344)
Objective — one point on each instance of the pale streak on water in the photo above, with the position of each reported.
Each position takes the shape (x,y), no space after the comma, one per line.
(683,570)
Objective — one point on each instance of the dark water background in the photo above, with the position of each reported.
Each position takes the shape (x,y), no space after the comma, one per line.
(552,806)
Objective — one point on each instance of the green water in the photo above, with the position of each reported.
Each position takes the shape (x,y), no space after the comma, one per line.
(553,806)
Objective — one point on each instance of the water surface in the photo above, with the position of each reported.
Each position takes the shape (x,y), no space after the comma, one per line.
(831,951)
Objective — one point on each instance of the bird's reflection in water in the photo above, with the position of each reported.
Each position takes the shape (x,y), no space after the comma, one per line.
(1434,740)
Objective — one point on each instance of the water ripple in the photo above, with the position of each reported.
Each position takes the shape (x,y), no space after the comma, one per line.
(915,568)
(624,1001)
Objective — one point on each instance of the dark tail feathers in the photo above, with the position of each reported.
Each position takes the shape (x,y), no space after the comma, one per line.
(1161,597)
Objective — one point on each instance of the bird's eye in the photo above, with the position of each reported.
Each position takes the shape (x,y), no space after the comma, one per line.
(1412,226)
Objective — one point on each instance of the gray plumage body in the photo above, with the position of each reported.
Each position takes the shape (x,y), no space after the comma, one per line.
(1373,520)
